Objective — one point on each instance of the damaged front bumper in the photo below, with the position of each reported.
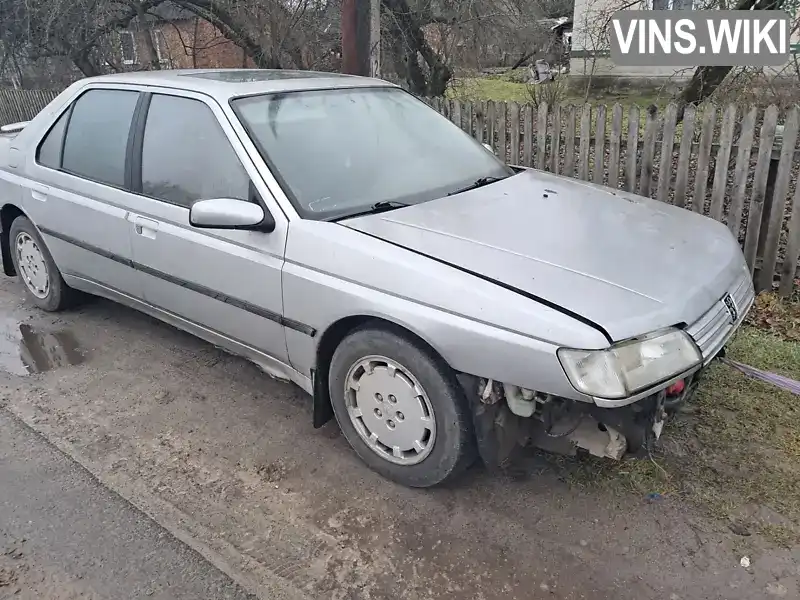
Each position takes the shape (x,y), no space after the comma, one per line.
(507,418)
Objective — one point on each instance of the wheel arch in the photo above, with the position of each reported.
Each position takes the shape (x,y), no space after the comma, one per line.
(8,214)
(330,340)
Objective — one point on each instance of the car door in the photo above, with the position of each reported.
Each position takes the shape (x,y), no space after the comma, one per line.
(77,195)
(229,282)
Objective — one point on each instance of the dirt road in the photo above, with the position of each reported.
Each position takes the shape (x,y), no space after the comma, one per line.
(226,459)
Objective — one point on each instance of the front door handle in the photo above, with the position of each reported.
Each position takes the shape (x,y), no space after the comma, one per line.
(145,227)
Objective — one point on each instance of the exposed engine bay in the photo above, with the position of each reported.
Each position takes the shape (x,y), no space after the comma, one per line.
(508,418)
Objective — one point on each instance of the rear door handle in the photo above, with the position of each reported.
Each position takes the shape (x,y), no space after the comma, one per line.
(40,193)
(145,227)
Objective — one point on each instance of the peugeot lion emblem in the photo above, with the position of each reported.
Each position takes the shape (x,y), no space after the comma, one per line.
(731,306)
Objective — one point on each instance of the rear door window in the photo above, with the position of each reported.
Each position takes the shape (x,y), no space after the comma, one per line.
(186,155)
(97,135)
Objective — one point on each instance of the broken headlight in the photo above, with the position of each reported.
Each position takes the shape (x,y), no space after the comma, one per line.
(632,366)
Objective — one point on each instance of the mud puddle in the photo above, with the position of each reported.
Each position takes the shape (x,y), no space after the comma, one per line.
(25,350)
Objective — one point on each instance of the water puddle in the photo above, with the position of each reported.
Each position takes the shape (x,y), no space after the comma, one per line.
(24,350)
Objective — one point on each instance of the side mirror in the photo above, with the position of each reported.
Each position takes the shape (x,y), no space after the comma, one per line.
(227,213)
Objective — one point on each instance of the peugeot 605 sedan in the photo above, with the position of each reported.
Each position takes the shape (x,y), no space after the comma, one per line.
(341,234)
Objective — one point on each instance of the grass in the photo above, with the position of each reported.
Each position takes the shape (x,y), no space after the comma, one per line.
(494,88)
(737,455)
(507,87)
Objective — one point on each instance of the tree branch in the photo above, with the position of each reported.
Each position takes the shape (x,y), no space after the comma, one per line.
(706,80)
(410,32)
(210,11)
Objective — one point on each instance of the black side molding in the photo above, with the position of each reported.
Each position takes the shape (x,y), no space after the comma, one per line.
(200,289)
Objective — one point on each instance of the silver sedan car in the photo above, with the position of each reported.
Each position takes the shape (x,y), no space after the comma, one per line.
(341,234)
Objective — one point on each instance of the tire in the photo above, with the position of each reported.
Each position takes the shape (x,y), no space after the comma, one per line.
(449,441)
(55,294)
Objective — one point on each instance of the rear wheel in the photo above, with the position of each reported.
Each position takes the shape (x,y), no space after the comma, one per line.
(36,269)
(400,407)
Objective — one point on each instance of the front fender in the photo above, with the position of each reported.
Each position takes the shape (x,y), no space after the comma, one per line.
(332,273)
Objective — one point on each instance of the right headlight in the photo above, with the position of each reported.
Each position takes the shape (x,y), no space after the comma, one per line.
(630,367)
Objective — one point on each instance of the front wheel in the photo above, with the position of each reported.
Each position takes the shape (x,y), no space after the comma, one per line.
(36,269)
(400,407)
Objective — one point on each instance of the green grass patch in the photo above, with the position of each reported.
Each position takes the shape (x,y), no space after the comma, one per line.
(498,89)
(511,88)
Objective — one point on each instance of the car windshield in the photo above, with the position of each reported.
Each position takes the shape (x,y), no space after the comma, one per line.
(341,152)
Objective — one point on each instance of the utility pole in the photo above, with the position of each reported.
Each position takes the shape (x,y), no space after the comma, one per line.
(375,38)
(356,33)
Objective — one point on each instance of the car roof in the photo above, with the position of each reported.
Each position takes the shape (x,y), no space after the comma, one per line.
(228,83)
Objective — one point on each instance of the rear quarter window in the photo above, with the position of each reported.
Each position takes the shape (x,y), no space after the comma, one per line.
(49,152)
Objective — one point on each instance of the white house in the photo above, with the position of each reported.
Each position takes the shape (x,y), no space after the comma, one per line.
(590,56)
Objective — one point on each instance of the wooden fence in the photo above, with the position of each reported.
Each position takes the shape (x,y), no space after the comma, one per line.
(22,105)
(735,164)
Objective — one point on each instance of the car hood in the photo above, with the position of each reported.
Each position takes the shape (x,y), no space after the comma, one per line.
(628,264)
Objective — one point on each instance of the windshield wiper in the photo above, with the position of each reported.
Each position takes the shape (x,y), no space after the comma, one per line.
(477,184)
(378,207)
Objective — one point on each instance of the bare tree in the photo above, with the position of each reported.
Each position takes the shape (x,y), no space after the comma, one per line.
(423,67)
(76,30)
(423,39)
(272,33)
(706,80)
(426,38)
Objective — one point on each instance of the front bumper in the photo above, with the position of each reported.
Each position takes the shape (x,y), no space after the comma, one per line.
(639,424)
(630,430)
(504,421)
